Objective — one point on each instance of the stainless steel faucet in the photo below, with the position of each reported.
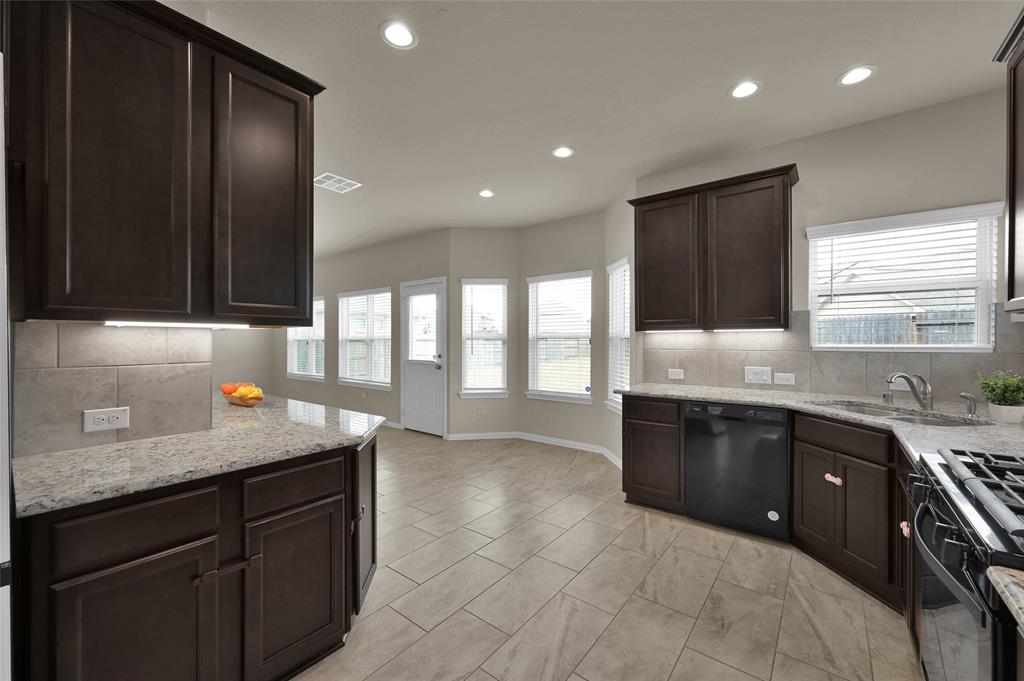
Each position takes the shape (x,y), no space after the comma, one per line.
(919,388)
(970,404)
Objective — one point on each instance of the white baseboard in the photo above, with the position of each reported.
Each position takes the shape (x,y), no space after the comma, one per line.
(543,439)
(394,424)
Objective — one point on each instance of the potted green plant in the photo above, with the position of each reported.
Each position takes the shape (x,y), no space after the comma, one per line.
(1004,391)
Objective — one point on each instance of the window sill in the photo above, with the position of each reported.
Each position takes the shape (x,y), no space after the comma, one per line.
(306,377)
(351,383)
(904,348)
(559,397)
(614,406)
(483,394)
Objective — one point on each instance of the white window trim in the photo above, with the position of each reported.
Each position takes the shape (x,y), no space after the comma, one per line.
(614,401)
(980,211)
(371,385)
(483,393)
(315,378)
(352,382)
(572,398)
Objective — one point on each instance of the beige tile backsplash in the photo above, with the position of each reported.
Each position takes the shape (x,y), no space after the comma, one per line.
(717,359)
(61,368)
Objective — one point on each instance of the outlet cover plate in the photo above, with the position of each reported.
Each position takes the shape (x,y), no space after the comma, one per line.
(676,374)
(113,418)
(762,375)
(785,379)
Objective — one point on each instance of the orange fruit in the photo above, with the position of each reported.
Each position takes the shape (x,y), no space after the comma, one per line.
(228,388)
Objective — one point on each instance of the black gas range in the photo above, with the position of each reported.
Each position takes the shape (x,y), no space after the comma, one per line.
(969,508)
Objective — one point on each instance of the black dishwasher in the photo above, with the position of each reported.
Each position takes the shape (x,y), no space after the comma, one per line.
(736,467)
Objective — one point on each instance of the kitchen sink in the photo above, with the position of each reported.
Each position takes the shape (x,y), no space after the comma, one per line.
(901,414)
(863,409)
(935,421)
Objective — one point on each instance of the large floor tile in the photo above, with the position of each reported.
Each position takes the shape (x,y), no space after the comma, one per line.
(387,585)
(502,519)
(371,644)
(681,580)
(506,492)
(642,642)
(397,518)
(580,545)
(450,652)
(401,543)
(569,510)
(610,579)
(454,517)
(404,496)
(436,599)
(739,627)
(425,562)
(615,513)
(550,645)
(758,565)
(549,493)
(513,600)
(693,666)
(480,675)
(515,546)
(446,498)
(892,654)
(650,533)
(806,571)
(827,632)
(789,669)
(704,539)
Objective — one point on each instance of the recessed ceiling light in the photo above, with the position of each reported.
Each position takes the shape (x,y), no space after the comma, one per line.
(562,152)
(745,89)
(397,34)
(486,193)
(336,183)
(857,74)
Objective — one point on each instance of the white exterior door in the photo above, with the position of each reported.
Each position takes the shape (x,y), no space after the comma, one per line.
(424,360)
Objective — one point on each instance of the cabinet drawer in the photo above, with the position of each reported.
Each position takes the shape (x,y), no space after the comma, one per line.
(282,489)
(660,411)
(112,535)
(869,445)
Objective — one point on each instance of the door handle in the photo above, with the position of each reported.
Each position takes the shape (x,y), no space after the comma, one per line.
(834,479)
(905,529)
(437,361)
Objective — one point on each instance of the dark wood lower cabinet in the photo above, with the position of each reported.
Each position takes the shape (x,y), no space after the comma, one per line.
(104,622)
(814,497)
(863,513)
(295,600)
(652,464)
(245,576)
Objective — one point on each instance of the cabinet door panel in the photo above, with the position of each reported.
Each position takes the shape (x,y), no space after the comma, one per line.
(364,539)
(141,620)
(295,602)
(117,166)
(748,255)
(263,196)
(653,464)
(862,518)
(1015,177)
(813,497)
(668,264)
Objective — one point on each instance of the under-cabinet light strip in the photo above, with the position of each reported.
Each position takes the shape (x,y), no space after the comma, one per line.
(178,325)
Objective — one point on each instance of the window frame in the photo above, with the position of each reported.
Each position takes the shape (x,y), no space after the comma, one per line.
(985,214)
(485,393)
(370,338)
(532,392)
(299,376)
(614,400)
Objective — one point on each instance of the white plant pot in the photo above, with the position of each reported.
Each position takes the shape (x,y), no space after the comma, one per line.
(1006,414)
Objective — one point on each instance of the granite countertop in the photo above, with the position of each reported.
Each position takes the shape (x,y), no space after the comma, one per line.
(1009,584)
(275,430)
(916,439)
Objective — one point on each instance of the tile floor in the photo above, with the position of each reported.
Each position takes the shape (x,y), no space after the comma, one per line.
(517,561)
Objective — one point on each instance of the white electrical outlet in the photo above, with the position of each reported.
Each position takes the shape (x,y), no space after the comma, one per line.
(113,418)
(757,374)
(785,379)
(676,374)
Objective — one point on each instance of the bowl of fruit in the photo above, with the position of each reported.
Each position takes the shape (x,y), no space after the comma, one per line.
(242,394)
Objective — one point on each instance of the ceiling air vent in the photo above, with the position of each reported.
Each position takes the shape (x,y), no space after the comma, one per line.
(336,183)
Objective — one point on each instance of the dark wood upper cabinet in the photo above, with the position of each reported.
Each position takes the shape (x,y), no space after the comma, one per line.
(1011,51)
(158,171)
(668,251)
(716,255)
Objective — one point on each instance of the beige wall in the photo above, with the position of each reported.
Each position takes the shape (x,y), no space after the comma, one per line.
(245,355)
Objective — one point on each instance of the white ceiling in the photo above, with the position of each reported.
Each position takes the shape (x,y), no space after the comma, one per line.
(635,87)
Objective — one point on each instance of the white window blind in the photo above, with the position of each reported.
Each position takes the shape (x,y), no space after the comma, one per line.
(618,329)
(484,336)
(559,336)
(922,281)
(306,346)
(364,337)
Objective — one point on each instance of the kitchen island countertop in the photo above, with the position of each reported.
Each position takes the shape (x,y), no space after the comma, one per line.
(275,430)
(916,439)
